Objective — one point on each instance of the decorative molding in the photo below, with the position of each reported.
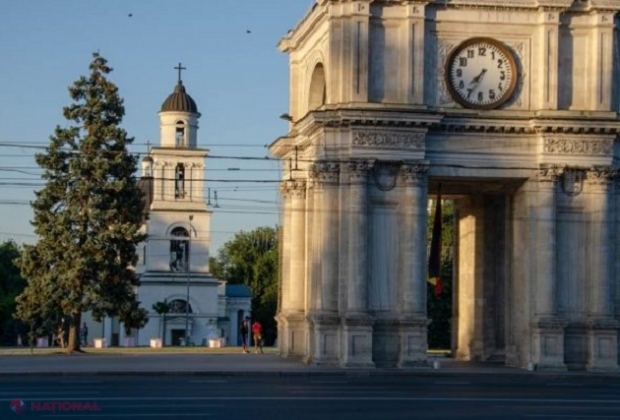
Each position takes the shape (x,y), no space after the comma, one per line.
(296,188)
(414,173)
(578,146)
(389,140)
(385,174)
(550,173)
(601,175)
(444,47)
(325,172)
(358,171)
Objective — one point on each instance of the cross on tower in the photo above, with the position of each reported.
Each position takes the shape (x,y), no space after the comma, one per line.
(180,68)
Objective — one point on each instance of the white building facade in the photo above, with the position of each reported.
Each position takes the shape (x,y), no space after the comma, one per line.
(512,107)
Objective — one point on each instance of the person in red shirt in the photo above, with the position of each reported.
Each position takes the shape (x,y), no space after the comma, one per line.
(257,332)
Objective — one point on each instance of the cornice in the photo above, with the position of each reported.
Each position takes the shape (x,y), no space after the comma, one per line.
(314,17)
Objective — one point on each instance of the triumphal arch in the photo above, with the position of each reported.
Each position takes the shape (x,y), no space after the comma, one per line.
(512,107)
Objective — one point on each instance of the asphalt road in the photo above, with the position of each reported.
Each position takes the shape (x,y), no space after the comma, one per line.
(496,396)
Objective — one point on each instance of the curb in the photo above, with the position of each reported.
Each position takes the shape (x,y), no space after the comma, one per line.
(422,372)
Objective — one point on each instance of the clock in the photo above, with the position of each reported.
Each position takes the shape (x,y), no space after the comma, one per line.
(481,73)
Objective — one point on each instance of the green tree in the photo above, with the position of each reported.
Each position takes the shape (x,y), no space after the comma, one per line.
(440,307)
(251,258)
(11,285)
(162,309)
(87,215)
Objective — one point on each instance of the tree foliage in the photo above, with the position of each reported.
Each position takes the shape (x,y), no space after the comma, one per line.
(440,307)
(251,258)
(11,285)
(87,215)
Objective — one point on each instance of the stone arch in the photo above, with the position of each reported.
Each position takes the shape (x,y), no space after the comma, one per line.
(181,133)
(317,93)
(184,225)
(194,306)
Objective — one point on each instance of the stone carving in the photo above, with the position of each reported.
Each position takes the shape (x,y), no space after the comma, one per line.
(519,49)
(325,172)
(385,174)
(297,189)
(412,173)
(443,50)
(574,146)
(389,140)
(358,171)
(602,175)
(293,188)
(572,181)
(549,173)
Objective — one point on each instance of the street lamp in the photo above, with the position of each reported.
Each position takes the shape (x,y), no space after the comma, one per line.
(189,257)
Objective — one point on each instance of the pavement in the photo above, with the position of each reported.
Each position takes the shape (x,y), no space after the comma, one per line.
(224,364)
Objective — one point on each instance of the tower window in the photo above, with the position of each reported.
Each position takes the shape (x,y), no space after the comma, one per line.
(179,181)
(179,249)
(180,138)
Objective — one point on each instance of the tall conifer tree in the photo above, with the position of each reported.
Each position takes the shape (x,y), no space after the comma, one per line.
(88,215)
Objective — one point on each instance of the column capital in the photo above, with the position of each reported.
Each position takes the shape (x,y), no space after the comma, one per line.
(358,170)
(325,172)
(293,188)
(602,176)
(414,172)
(549,173)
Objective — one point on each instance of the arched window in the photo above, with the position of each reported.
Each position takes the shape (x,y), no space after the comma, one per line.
(180,138)
(179,181)
(179,306)
(318,88)
(179,249)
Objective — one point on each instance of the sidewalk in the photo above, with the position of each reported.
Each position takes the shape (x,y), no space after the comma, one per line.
(219,364)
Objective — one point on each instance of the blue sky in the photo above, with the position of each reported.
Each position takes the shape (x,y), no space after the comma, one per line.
(238,79)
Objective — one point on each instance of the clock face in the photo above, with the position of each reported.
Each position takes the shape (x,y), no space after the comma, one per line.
(481,73)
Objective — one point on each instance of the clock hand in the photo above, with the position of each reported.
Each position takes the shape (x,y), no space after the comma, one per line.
(479,78)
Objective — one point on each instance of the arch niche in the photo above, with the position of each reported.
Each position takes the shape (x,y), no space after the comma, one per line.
(318,88)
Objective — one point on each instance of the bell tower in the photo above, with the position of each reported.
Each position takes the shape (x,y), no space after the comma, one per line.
(178,212)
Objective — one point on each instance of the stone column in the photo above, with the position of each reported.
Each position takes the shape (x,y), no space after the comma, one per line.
(548,328)
(412,282)
(603,327)
(297,278)
(357,332)
(325,318)
(547,55)
(414,54)
(285,303)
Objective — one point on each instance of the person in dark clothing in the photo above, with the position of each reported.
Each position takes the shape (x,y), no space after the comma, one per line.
(244,330)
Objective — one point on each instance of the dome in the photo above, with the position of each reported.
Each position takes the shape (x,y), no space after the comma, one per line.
(179,101)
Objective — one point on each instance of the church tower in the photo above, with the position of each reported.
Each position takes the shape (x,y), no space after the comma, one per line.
(174,262)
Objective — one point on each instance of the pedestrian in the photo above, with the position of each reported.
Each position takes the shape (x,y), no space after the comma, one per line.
(84,333)
(244,330)
(19,341)
(257,332)
(61,333)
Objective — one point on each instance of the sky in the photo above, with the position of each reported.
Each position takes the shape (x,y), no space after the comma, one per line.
(239,81)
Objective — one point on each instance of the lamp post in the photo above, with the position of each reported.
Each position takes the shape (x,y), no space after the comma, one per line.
(189,257)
